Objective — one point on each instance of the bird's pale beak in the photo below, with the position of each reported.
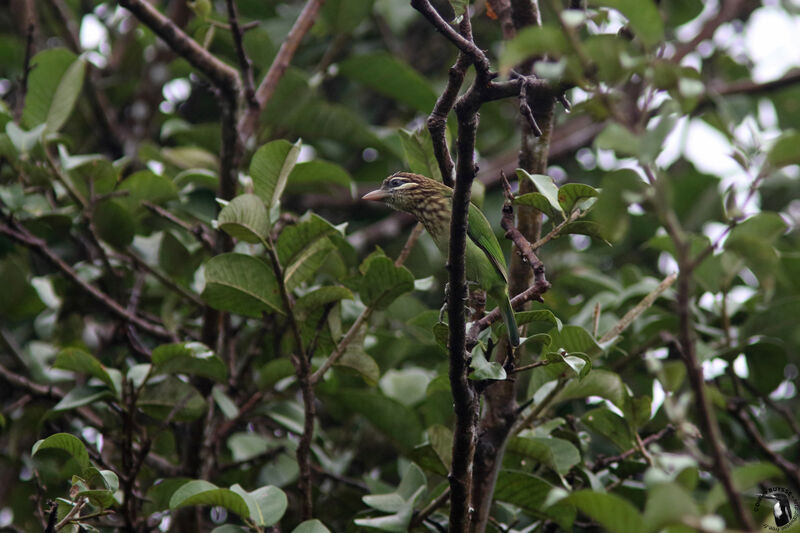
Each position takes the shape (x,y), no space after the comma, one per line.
(376,196)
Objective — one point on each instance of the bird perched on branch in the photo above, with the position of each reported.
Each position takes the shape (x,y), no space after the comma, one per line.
(430,202)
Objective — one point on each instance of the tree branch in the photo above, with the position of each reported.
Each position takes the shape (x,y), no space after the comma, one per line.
(247,123)
(23,237)
(220,74)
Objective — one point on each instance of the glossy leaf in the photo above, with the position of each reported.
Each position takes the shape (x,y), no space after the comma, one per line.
(64,441)
(615,514)
(530,493)
(419,153)
(545,185)
(188,358)
(572,194)
(48,69)
(270,169)
(318,176)
(302,249)
(245,218)
(67,92)
(557,454)
(83,362)
(388,75)
(241,284)
(383,281)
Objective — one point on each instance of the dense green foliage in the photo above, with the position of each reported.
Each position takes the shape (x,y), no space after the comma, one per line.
(164,350)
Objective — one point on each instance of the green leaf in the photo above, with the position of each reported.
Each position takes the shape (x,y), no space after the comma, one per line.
(114,223)
(530,493)
(190,158)
(599,382)
(620,139)
(584,227)
(546,186)
(612,512)
(162,490)
(557,454)
(319,298)
(311,526)
(146,186)
(538,315)
(199,492)
(67,92)
(573,339)
(611,426)
(668,504)
(766,362)
(317,176)
(80,361)
(266,504)
(302,249)
(383,282)
(48,68)
(533,41)
(407,386)
(784,152)
(389,416)
(571,194)
(24,141)
(82,395)
(483,369)
(418,150)
(270,169)
(400,502)
(245,218)
(64,441)
(241,284)
(188,358)
(620,188)
(537,200)
(441,439)
(459,8)
(644,18)
(358,359)
(344,16)
(753,241)
(162,398)
(391,77)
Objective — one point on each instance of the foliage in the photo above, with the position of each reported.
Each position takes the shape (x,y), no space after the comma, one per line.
(202,327)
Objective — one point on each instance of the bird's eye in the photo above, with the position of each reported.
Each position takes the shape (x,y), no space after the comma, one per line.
(396,182)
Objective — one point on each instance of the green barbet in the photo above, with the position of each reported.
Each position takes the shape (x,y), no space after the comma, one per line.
(430,202)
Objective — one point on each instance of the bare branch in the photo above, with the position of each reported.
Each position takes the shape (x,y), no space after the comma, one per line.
(222,75)
(247,123)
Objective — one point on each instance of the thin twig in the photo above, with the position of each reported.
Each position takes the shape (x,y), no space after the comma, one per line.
(245,65)
(22,236)
(26,70)
(302,365)
(352,333)
(221,74)
(601,463)
(792,471)
(429,509)
(247,123)
(412,239)
(76,509)
(639,308)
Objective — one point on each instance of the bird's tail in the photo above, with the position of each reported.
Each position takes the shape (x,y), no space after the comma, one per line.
(508,318)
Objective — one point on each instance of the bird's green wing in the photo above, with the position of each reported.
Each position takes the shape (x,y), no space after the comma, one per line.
(480,232)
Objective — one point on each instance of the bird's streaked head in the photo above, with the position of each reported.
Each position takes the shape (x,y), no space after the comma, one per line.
(408,192)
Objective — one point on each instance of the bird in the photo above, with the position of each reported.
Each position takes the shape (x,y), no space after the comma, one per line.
(430,202)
